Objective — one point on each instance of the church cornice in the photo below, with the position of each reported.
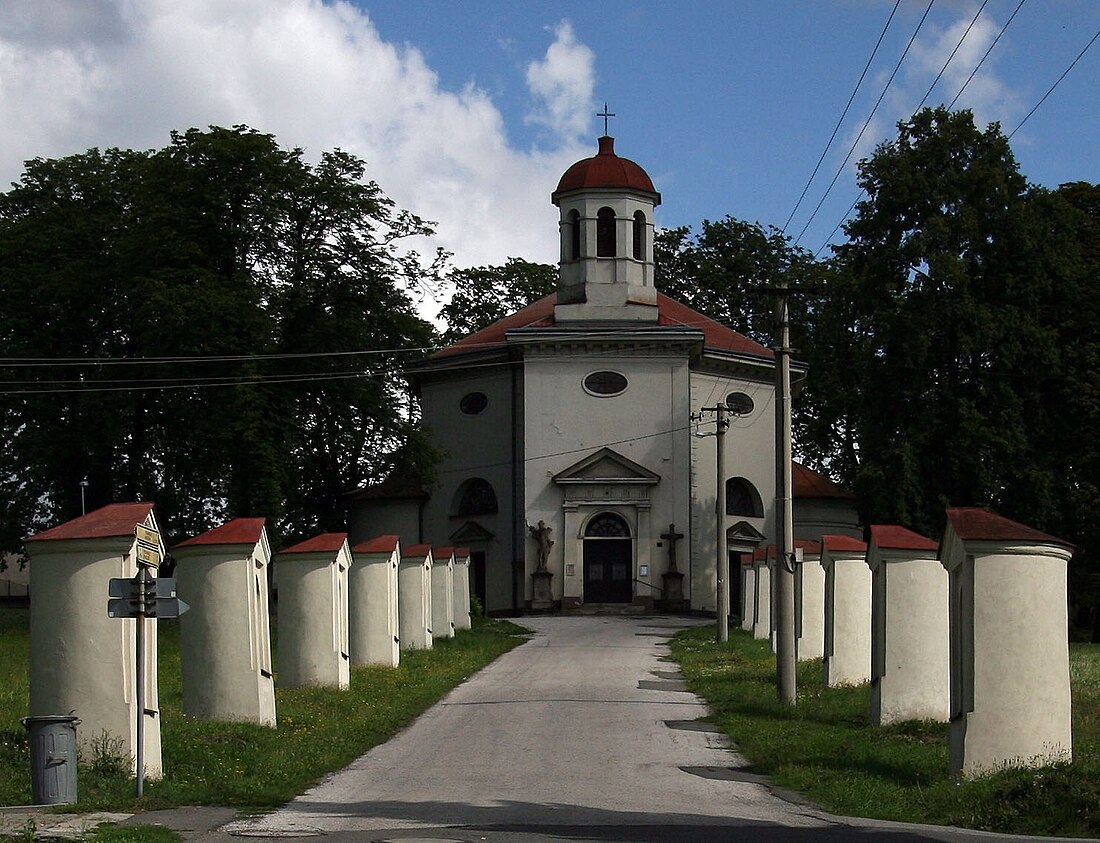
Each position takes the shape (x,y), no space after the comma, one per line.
(582,340)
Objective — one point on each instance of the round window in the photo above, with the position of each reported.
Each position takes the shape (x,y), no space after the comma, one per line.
(473,403)
(605,383)
(739,403)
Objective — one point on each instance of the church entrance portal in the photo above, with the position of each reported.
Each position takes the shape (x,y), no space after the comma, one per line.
(608,560)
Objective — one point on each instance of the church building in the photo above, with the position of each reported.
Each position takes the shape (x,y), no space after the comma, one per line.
(578,437)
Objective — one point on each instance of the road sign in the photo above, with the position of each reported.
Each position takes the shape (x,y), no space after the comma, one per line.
(155,598)
(147,535)
(147,555)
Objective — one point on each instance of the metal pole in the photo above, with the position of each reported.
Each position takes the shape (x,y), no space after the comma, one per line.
(139,673)
(785,656)
(723,560)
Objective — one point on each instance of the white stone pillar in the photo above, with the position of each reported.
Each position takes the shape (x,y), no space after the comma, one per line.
(847,610)
(373,625)
(414,595)
(82,661)
(1010,683)
(313,613)
(462,588)
(810,602)
(910,630)
(748,595)
(443,592)
(762,617)
(225,636)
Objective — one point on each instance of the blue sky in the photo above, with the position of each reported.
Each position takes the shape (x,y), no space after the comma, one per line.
(467,113)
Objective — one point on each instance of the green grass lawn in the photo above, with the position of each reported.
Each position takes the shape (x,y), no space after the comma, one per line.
(205,763)
(826,748)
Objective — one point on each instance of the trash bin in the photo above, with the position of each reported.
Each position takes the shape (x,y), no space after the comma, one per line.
(53,758)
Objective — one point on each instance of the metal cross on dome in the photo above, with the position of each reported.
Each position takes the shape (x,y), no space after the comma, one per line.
(605,114)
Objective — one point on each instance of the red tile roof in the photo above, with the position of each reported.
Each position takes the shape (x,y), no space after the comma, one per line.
(379,544)
(835,542)
(462,552)
(324,543)
(972,523)
(237,531)
(896,537)
(605,169)
(807,483)
(110,521)
(670,313)
(442,552)
(421,550)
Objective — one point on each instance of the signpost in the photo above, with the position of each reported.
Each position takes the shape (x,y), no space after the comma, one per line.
(143,596)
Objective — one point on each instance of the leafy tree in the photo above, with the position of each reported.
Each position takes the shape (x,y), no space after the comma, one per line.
(1079,431)
(486,294)
(218,326)
(936,354)
(721,272)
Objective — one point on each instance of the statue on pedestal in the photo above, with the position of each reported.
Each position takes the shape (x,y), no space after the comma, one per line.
(541,534)
(542,596)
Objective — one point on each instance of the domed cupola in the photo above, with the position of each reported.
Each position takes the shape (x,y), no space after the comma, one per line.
(606,224)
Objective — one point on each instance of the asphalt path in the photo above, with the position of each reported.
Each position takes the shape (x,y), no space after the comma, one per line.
(584,733)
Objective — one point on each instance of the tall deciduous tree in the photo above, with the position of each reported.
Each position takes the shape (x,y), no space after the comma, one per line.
(485,294)
(936,355)
(217,325)
(722,272)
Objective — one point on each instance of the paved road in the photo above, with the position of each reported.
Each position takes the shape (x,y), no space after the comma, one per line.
(583,733)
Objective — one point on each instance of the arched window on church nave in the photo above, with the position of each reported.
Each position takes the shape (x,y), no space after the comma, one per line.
(574,253)
(605,233)
(474,497)
(639,236)
(743,499)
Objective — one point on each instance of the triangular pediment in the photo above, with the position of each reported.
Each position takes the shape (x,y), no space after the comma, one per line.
(607,466)
(744,537)
(471,533)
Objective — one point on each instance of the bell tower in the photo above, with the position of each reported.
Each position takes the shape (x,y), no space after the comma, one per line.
(606,208)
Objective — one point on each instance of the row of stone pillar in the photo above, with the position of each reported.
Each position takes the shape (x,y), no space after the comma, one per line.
(971,630)
(338,606)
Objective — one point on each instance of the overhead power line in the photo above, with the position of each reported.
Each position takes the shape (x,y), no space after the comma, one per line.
(866,122)
(989,50)
(843,114)
(943,69)
(1065,73)
(928,93)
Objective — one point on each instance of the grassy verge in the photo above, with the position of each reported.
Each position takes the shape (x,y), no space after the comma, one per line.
(320,730)
(826,748)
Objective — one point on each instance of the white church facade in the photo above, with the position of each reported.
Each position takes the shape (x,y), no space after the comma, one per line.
(575,464)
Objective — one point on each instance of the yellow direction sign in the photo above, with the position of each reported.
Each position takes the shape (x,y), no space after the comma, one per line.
(148,555)
(147,535)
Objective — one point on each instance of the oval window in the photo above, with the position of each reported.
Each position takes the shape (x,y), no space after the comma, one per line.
(740,404)
(605,383)
(473,403)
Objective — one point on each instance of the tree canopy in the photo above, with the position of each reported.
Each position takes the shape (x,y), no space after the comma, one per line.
(485,294)
(217,326)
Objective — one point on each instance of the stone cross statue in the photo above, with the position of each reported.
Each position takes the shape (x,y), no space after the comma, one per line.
(541,534)
(672,537)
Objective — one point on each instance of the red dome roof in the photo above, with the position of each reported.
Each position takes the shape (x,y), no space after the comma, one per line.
(606,169)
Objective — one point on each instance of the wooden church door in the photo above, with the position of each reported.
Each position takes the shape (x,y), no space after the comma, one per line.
(608,560)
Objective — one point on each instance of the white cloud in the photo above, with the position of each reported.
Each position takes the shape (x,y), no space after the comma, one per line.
(987,95)
(563,82)
(316,75)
